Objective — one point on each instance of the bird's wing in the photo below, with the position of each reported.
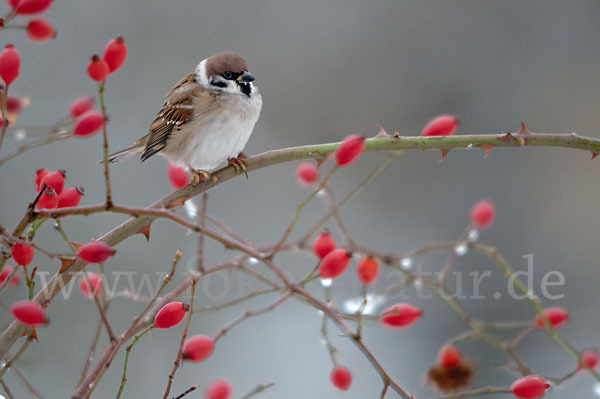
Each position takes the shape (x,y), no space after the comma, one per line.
(175,113)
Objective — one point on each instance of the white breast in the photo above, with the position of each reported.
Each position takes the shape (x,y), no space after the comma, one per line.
(211,139)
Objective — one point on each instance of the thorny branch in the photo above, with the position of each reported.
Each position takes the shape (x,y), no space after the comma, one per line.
(143,217)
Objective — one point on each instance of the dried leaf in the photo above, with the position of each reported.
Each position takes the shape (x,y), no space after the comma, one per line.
(444,153)
(487,148)
(66,263)
(146,232)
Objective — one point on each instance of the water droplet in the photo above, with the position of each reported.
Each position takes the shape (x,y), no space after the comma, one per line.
(418,282)
(320,312)
(20,135)
(321,193)
(352,305)
(406,263)
(461,249)
(596,389)
(190,209)
(473,235)
(326,282)
(252,261)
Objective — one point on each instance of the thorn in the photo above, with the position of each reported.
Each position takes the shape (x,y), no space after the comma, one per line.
(507,137)
(34,335)
(178,202)
(594,155)
(523,129)
(146,232)
(65,264)
(444,153)
(382,132)
(487,148)
(76,245)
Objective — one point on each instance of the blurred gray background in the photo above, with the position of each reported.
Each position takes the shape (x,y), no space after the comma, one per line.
(327,69)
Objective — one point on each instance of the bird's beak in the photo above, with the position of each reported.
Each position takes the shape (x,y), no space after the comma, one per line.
(246,77)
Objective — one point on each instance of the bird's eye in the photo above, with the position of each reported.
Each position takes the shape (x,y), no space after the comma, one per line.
(227,75)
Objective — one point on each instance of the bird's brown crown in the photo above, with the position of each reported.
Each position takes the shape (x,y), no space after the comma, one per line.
(220,63)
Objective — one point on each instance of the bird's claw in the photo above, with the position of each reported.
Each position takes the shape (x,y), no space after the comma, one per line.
(199,176)
(239,163)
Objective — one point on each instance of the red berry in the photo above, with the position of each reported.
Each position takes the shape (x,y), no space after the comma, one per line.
(95,252)
(55,180)
(448,357)
(39,176)
(443,125)
(218,389)
(400,315)
(10,62)
(307,174)
(349,150)
(341,378)
(483,213)
(115,53)
(588,358)
(93,288)
(81,105)
(70,197)
(13,104)
(88,124)
(367,270)
(198,348)
(178,177)
(28,7)
(22,253)
(170,315)
(48,199)
(40,30)
(556,316)
(29,313)
(529,387)
(323,245)
(334,263)
(98,69)
(6,271)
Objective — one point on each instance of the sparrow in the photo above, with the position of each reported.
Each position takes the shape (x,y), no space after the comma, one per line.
(206,120)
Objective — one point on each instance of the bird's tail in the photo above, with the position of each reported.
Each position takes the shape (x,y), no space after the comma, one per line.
(135,148)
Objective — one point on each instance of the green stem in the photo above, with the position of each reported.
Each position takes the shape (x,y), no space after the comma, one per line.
(127,352)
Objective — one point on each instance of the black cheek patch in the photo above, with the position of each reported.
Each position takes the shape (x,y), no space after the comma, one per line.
(245,88)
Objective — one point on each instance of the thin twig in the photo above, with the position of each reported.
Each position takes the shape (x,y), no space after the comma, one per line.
(127,352)
(189,390)
(100,307)
(179,357)
(6,389)
(202,215)
(250,313)
(105,145)
(258,389)
(27,384)
(476,392)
